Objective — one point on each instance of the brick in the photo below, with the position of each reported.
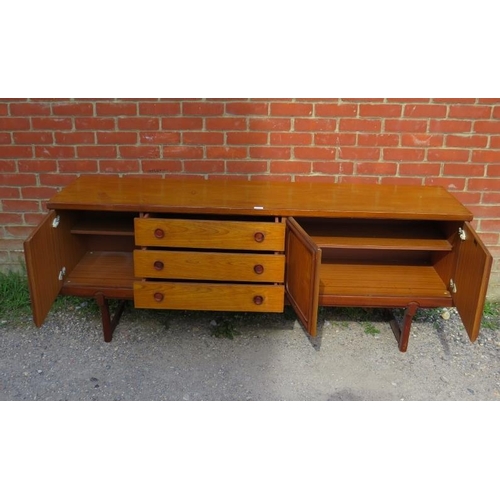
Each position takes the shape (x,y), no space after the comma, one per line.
(466,141)
(358,179)
(37,165)
(496,112)
(448,155)
(221,152)
(347,153)
(118,166)
(450,126)
(139,123)
(96,151)
(33,137)
(182,152)
(116,108)
(219,123)
(377,168)
(247,138)
(492,198)
(315,125)
(8,123)
(49,123)
(21,206)
(270,153)
(77,166)
(403,154)
(92,123)
(70,138)
(247,108)
(5,138)
(425,111)
(16,152)
(359,125)
(29,108)
(378,140)
(54,152)
(56,179)
(449,183)
(157,166)
(487,127)
(271,124)
(421,140)
(159,108)
(7,166)
(10,218)
(334,139)
(380,110)
(291,109)
(404,181)
(493,171)
(471,112)
(290,139)
(484,184)
(291,167)
(139,151)
(173,123)
(405,125)
(463,170)
(38,192)
(495,142)
(113,138)
(419,169)
(487,156)
(315,153)
(202,138)
(204,166)
(247,167)
(202,108)
(9,192)
(333,167)
(336,110)
(73,109)
(24,179)
(4,110)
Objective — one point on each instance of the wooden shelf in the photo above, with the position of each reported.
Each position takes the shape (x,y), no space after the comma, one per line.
(108,227)
(110,272)
(378,236)
(376,284)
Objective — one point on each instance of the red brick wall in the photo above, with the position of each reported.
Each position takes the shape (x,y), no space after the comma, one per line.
(45,143)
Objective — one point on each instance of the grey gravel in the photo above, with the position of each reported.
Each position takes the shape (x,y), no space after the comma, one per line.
(175,356)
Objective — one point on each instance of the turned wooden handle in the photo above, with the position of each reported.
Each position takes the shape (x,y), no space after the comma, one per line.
(158,265)
(159,296)
(258,300)
(259,237)
(258,269)
(159,233)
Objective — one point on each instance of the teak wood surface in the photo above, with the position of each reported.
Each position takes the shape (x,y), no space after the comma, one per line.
(228,196)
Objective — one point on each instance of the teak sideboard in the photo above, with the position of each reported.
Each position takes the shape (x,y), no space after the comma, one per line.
(238,245)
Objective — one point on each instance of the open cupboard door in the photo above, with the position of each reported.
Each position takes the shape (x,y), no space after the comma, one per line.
(303,260)
(471,280)
(50,252)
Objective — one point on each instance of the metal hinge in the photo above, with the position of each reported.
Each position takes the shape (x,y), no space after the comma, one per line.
(56,221)
(462,234)
(453,287)
(62,273)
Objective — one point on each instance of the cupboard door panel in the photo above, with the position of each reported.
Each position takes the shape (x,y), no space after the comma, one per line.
(303,261)
(471,280)
(49,250)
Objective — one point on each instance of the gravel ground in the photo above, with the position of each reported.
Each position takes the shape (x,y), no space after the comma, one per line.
(175,356)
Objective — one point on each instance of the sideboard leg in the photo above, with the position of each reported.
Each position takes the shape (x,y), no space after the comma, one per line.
(402,334)
(108,324)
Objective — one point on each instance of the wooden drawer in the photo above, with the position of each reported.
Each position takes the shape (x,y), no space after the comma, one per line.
(229,235)
(209,266)
(209,296)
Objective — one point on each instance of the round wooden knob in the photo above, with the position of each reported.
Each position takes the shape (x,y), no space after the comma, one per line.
(158,265)
(258,269)
(159,233)
(258,300)
(159,296)
(259,237)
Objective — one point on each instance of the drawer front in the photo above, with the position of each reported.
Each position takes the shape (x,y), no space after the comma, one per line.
(209,297)
(210,266)
(229,235)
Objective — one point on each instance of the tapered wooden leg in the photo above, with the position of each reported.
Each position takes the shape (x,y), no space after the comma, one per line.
(108,324)
(402,334)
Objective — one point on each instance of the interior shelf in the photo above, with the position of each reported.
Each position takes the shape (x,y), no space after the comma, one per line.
(379,284)
(372,235)
(105,226)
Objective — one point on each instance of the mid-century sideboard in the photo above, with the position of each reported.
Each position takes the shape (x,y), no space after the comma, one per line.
(239,245)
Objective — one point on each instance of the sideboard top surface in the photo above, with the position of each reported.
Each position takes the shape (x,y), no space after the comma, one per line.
(244,197)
